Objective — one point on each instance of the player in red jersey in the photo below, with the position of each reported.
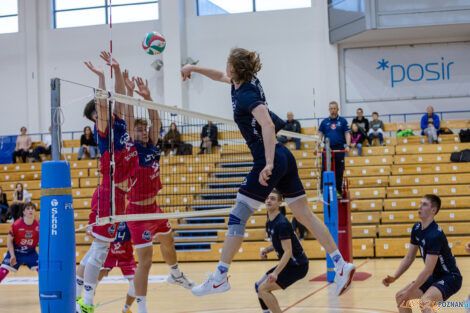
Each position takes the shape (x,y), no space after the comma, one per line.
(125,159)
(21,242)
(121,254)
(142,200)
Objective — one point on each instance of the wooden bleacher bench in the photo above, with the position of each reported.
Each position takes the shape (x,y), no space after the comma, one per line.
(374,151)
(367,193)
(444,168)
(413,203)
(367,205)
(435,148)
(398,247)
(455,124)
(444,215)
(368,181)
(367,171)
(71,143)
(451,138)
(404,230)
(368,161)
(432,179)
(414,191)
(422,158)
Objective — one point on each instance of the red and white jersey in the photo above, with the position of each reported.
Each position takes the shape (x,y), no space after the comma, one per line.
(25,237)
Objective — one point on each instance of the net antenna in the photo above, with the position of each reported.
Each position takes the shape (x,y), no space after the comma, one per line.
(194,185)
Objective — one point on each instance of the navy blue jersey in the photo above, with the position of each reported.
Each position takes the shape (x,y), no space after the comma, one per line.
(244,100)
(280,229)
(334,129)
(432,240)
(123,234)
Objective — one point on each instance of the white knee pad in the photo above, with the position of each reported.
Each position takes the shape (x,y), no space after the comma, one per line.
(98,253)
(84,260)
(131,291)
(241,212)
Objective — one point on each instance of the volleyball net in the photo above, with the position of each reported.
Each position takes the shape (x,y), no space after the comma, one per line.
(191,164)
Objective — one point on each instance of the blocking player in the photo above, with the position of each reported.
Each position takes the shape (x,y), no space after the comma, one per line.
(274,166)
(440,278)
(21,243)
(142,200)
(125,159)
(293,263)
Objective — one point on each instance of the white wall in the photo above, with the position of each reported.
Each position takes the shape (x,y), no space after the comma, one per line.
(294,49)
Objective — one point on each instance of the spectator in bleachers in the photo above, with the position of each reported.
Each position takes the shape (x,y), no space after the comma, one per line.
(361,121)
(46,149)
(20,197)
(87,144)
(292,126)
(337,130)
(3,206)
(376,129)
(430,125)
(208,138)
(357,138)
(23,144)
(172,140)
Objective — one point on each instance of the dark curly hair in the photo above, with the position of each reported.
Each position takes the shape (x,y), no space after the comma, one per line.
(245,64)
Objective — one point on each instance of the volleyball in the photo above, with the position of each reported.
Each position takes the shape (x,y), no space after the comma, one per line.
(154,43)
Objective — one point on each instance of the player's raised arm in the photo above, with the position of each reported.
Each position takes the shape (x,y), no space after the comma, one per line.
(404,265)
(119,85)
(209,72)
(101,105)
(144,92)
(129,109)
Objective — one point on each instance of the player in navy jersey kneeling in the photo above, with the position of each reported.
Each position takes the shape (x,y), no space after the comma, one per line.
(441,277)
(21,242)
(293,263)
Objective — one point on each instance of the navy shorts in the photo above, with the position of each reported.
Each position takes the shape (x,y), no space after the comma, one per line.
(284,177)
(29,259)
(448,285)
(290,274)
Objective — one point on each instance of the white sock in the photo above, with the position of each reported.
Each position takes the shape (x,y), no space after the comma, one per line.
(79,286)
(88,293)
(126,307)
(221,272)
(337,259)
(175,271)
(266,311)
(141,304)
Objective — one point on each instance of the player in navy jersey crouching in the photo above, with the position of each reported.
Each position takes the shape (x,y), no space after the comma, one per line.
(293,263)
(440,277)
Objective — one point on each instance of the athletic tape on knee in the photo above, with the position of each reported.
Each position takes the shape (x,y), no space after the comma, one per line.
(99,252)
(240,214)
(131,291)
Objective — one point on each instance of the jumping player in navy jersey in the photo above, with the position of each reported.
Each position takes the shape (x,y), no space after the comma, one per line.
(274,167)
(293,263)
(440,278)
(21,243)
(146,184)
(126,161)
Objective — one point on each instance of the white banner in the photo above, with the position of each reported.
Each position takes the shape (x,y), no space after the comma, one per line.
(407,72)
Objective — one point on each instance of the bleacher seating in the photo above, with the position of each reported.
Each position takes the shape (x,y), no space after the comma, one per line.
(386,185)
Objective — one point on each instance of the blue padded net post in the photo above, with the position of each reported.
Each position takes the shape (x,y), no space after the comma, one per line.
(330,210)
(56,240)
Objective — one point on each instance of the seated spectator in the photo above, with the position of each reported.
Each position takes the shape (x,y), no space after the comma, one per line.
(298,228)
(23,144)
(430,125)
(208,138)
(172,140)
(362,122)
(292,126)
(46,149)
(357,138)
(376,129)
(87,144)
(20,197)
(3,206)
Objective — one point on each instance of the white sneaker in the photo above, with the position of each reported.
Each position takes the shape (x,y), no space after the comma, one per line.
(344,277)
(211,286)
(182,281)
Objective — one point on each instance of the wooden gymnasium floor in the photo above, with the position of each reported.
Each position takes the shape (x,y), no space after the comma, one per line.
(367,296)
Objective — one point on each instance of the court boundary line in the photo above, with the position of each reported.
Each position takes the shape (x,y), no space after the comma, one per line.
(316,291)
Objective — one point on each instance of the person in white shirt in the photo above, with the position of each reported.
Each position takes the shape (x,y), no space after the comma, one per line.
(46,149)
(20,197)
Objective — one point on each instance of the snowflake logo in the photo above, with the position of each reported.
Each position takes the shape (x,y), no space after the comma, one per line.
(382,65)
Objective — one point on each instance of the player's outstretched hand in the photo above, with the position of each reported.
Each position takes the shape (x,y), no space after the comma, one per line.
(467,247)
(13,261)
(388,280)
(265,174)
(144,90)
(263,254)
(130,83)
(272,278)
(97,70)
(106,56)
(186,71)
